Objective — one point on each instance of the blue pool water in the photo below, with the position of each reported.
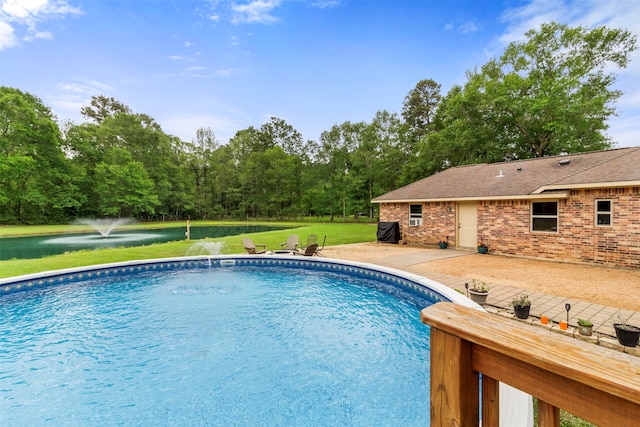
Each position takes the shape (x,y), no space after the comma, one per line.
(226,346)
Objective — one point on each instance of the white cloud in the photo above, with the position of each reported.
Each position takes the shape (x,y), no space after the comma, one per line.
(464,28)
(17,14)
(325,4)
(22,9)
(255,12)
(31,11)
(532,15)
(613,14)
(228,73)
(7,36)
(191,71)
(68,103)
(39,35)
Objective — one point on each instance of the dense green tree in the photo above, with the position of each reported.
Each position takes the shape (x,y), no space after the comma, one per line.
(420,106)
(242,147)
(554,88)
(35,184)
(124,187)
(546,95)
(262,169)
(329,194)
(200,153)
(227,193)
(181,204)
(396,150)
(365,165)
(277,132)
(101,107)
(463,134)
(281,183)
(86,151)
(117,130)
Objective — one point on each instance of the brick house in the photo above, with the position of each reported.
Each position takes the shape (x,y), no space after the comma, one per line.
(579,208)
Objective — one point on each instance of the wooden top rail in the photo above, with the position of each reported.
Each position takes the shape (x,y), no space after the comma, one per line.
(595,383)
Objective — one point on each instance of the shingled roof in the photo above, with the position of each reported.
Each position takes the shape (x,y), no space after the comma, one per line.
(525,178)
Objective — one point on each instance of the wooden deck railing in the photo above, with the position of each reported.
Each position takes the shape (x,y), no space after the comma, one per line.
(594,383)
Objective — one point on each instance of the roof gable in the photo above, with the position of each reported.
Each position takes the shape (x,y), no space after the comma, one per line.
(617,167)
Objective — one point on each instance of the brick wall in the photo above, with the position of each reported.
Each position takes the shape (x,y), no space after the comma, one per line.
(438,221)
(505,227)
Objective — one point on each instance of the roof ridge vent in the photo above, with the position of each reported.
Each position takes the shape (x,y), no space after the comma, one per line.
(564,162)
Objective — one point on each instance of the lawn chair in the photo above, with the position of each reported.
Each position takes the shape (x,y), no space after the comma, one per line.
(311,239)
(291,244)
(251,248)
(308,251)
(318,250)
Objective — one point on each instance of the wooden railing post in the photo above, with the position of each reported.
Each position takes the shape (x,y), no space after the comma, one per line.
(490,402)
(454,384)
(548,415)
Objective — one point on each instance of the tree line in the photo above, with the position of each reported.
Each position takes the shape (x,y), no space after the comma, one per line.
(549,94)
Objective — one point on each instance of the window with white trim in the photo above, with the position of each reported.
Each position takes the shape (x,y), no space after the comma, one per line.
(604,213)
(415,215)
(544,216)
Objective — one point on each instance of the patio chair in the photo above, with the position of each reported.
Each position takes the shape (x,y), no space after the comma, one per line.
(291,244)
(318,250)
(311,239)
(308,251)
(251,247)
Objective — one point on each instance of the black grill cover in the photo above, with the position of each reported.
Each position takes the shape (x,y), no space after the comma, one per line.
(388,232)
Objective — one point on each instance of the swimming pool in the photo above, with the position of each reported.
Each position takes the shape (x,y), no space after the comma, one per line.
(216,341)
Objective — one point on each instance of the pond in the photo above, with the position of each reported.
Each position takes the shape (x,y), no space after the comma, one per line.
(40,246)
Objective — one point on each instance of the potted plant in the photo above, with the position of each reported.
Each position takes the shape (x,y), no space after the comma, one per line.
(483,248)
(585,327)
(478,291)
(628,335)
(521,306)
(443,243)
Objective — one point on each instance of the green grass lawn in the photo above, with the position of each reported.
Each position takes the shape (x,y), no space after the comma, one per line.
(337,234)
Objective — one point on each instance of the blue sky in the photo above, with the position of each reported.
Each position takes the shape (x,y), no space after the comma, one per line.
(229,65)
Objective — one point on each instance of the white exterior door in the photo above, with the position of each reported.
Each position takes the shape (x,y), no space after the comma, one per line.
(467,225)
